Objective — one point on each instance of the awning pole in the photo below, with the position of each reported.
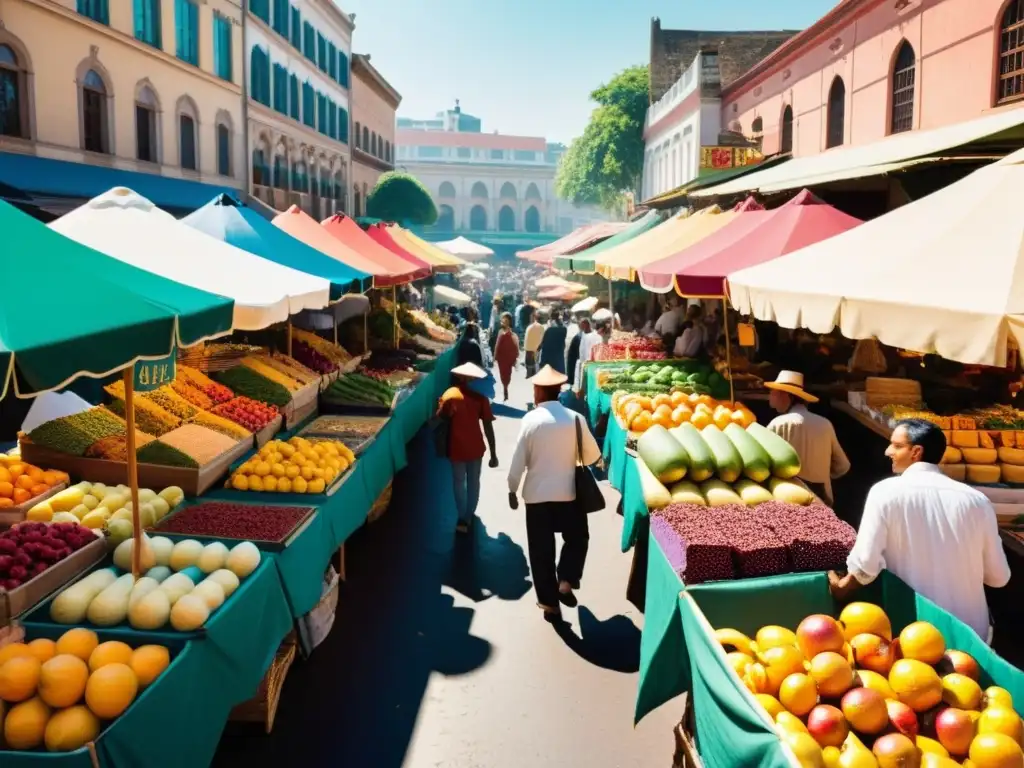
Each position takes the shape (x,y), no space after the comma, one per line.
(611,306)
(394,312)
(133,469)
(366,332)
(335,316)
(289,343)
(728,349)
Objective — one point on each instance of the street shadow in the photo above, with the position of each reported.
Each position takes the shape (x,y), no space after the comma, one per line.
(483,566)
(500,409)
(612,644)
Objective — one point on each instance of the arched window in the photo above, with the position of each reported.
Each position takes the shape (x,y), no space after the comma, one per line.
(903,75)
(835,132)
(259,167)
(786,141)
(531,221)
(293,97)
(532,192)
(478,218)
(339,188)
(374,149)
(366,139)
(445,218)
(479,190)
(280,170)
(300,179)
(359,143)
(13,95)
(223,149)
(325,183)
(506,219)
(146,136)
(387,151)
(95,125)
(757,127)
(508,191)
(356,200)
(188,133)
(1010,86)
(446,190)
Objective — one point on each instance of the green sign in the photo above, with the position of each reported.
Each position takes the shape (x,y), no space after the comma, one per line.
(152,374)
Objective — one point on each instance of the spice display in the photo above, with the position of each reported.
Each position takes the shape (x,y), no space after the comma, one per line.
(160,453)
(149,417)
(299,465)
(218,393)
(249,413)
(202,444)
(115,447)
(221,424)
(236,521)
(290,367)
(193,394)
(356,389)
(817,539)
(172,402)
(271,373)
(74,434)
(245,381)
(390,360)
(312,358)
(347,426)
(332,352)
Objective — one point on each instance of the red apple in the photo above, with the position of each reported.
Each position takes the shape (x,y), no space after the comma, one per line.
(902,718)
(827,725)
(819,633)
(958,661)
(954,730)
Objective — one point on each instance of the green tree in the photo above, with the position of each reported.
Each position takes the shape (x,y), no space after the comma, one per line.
(401,197)
(608,159)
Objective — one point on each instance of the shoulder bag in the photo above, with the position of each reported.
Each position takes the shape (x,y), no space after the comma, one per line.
(588,494)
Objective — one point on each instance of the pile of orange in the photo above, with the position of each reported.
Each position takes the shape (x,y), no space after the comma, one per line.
(21,482)
(638,413)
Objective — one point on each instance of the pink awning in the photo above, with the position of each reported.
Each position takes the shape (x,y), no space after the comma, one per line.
(402,269)
(577,240)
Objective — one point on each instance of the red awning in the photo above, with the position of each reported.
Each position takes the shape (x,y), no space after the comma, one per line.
(401,269)
(754,237)
(380,235)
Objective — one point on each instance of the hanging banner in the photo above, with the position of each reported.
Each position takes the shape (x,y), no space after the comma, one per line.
(721,158)
(153,374)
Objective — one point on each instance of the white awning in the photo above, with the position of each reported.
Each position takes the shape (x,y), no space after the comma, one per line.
(445,295)
(891,153)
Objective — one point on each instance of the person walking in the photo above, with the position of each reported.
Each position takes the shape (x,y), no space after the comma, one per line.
(572,354)
(466,411)
(494,324)
(506,351)
(552,345)
(531,342)
(551,441)
(470,350)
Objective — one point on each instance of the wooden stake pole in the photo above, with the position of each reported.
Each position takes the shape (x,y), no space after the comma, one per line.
(335,316)
(366,332)
(133,470)
(394,312)
(289,344)
(611,306)
(728,349)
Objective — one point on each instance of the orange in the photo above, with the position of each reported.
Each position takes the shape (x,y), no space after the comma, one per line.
(24,481)
(43,649)
(13,650)
(35,473)
(21,495)
(16,471)
(52,477)
(62,680)
(681,415)
(678,398)
(6,489)
(110,690)
(110,652)
(660,400)
(642,422)
(26,724)
(6,503)
(19,677)
(38,489)
(5,476)
(78,642)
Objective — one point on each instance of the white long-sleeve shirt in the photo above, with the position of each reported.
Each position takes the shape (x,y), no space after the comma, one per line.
(587,344)
(691,342)
(813,437)
(546,452)
(939,535)
(532,337)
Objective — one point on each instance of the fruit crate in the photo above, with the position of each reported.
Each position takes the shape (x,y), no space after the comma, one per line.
(17,513)
(731,728)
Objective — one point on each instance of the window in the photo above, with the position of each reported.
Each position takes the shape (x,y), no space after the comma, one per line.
(332,120)
(147,22)
(321,52)
(223,149)
(343,125)
(343,68)
(508,191)
(296,35)
(446,190)
(13,91)
(532,192)
(835,131)
(355,200)
(531,222)
(373,143)
(280,171)
(478,218)
(359,143)
(293,97)
(387,151)
(524,156)
(1011,53)
(321,113)
(786,144)
(259,76)
(260,9)
(903,73)
(146,107)
(757,127)
(308,41)
(187,138)
(222,63)
(445,218)
(497,154)
(332,61)
(280,89)
(366,140)
(300,182)
(431,152)
(479,190)
(308,105)
(260,172)
(95,9)
(94,113)
(464,152)
(186,31)
(281,9)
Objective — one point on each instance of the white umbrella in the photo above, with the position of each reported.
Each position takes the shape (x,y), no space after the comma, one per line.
(465,249)
(551,281)
(586,305)
(472,274)
(445,295)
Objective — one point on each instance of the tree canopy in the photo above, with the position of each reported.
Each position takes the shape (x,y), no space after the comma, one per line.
(402,198)
(608,159)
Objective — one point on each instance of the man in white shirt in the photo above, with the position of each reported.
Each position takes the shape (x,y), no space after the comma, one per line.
(694,336)
(600,335)
(668,322)
(531,343)
(939,535)
(813,437)
(547,453)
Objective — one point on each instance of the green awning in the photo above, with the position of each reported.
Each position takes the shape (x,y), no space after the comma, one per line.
(677,196)
(70,311)
(583,261)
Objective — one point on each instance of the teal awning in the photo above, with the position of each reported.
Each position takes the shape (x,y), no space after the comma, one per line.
(583,261)
(678,196)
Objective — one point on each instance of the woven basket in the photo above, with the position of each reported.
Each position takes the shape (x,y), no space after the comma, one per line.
(262,708)
(686,755)
(210,358)
(380,506)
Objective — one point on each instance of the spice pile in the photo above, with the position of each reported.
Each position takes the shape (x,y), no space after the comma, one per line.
(243,380)
(227,520)
(202,444)
(249,413)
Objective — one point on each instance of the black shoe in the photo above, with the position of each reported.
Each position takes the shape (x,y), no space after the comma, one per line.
(568,599)
(462,527)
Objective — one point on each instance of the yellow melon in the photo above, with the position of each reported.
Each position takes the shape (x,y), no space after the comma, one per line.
(148,662)
(110,690)
(25,724)
(72,728)
(19,677)
(62,680)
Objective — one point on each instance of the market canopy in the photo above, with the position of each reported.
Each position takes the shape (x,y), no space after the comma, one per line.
(129,227)
(401,269)
(756,237)
(445,295)
(944,274)
(473,274)
(583,261)
(465,249)
(680,195)
(550,281)
(381,235)
(677,233)
(306,229)
(585,305)
(52,332)
(997,132)
(228,220)
(577,240)
(430,253)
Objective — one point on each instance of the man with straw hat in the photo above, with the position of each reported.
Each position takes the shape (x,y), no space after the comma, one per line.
(546,452)
(813,437)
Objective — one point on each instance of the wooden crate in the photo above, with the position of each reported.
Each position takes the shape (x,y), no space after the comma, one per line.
(266,434)
(16,514)
(262,708)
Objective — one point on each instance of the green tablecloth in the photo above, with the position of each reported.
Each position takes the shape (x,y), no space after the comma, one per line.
(633,506)
(598,402)
(615,453)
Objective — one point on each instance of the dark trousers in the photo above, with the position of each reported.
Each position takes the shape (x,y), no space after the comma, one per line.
(543,521)
(530,361)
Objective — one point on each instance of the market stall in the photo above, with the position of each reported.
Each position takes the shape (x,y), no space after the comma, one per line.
(388,238)
(402,265)
(465,249)
(577,240)
(583,262)
(425,250)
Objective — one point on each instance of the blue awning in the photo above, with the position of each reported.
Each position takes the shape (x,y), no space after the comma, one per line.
(45,177)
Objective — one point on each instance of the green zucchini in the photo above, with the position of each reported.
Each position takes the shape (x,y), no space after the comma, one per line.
(728,464)
(756,463)
(784,458)
(663,454)
(702,463)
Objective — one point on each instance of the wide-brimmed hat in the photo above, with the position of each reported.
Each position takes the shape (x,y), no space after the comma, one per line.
(470,370)
(548,377)
(791,383)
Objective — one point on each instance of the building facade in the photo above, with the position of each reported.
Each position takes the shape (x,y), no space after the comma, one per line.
(872,68)
(488,182)
(148,86)
(298,55)
(374,103)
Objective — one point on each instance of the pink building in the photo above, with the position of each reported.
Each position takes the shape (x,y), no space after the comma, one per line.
(871,68)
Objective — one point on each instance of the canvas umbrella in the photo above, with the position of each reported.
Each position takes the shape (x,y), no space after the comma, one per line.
(445,295)
(585,305)
(430,253)
(473,274)
(465,249)
(583,262)
(403,268)
(551,281)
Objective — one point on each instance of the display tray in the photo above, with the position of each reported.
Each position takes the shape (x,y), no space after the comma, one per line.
(266,434)
(364,409)
(358,429)
(194,482)
(264,544)
(16,514)
(302,406)
(16,602)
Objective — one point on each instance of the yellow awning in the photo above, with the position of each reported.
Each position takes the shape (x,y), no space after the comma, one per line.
(438,259)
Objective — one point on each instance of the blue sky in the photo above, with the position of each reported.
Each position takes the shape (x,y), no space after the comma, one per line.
(526,66)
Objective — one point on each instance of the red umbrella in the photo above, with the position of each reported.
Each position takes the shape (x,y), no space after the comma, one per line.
(756,237)
(379,234)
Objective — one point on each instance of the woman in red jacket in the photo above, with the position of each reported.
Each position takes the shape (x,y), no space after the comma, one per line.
(506,351)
